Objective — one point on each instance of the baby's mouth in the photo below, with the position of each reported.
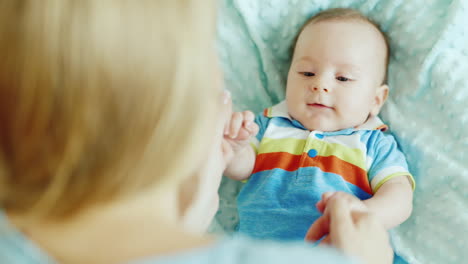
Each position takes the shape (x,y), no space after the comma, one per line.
(317,105)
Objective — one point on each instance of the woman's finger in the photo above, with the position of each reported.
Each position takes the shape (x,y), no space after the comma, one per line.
(228,153)
(318,229)
(227,103)
(339,212)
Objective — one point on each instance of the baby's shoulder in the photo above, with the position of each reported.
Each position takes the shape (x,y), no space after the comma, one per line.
(376,136)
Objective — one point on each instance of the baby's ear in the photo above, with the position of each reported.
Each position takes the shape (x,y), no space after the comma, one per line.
(381,95)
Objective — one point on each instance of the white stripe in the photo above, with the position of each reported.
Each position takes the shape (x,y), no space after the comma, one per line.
(369,161)
(351,141)
(280,110)
(279,132)
(254,141)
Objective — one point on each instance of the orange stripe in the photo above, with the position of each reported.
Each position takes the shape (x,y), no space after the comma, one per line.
(382,128)
(331,164)
(273,160)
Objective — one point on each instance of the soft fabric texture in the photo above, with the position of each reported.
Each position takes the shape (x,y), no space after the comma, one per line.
(15,248)
(295,166)
(426,108)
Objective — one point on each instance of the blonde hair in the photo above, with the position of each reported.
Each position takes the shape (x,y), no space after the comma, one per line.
(346,14)
(102,99)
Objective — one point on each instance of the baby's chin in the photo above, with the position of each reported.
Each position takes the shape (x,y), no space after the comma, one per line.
(323,128)
(323,125)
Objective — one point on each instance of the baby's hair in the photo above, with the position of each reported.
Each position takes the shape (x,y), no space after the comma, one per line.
(345,14)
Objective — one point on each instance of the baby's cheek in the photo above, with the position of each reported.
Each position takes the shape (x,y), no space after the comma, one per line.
(355,113)
(355,103)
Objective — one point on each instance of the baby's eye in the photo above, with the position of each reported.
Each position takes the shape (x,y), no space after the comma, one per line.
(308,74)
(342,79)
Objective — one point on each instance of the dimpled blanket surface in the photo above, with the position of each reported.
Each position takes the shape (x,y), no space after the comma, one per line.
(426,109)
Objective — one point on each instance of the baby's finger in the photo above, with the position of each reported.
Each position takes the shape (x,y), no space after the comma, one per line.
(322,204)
(249,118)
(254,128)
(249,115)
(327,195)
(325,241)
(235,125)
(245,133)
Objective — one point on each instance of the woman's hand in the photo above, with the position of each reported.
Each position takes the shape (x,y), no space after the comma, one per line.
(322,223)
(352,229)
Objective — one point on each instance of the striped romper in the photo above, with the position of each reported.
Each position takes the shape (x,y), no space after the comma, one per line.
(295,166)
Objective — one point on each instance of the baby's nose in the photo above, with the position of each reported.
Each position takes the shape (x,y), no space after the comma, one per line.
(317,88)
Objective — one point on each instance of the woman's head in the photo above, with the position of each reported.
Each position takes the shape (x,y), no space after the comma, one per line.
(102,99)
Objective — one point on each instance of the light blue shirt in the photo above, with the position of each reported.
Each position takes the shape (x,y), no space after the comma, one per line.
(15,248)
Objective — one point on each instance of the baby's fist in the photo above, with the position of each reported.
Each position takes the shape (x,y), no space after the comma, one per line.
(241,126)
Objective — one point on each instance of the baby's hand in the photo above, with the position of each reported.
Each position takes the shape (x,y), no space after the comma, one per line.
(239,129)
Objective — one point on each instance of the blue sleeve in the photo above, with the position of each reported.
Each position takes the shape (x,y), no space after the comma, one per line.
(262,121)
(386,160)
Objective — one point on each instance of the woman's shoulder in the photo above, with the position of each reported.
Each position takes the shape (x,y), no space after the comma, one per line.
(239,249)
(16,248)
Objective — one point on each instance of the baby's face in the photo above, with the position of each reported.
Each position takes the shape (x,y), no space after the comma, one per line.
(336,75)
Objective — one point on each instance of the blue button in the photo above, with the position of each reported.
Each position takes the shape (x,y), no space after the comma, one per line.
(312,153)
(320,136)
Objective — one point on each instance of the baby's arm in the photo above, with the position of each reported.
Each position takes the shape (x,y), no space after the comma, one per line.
(237,136)
(393,202)
(391,205)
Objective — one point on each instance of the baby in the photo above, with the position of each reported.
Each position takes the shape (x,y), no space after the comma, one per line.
(325,136)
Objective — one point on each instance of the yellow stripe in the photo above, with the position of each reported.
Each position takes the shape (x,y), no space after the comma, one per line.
(325,149)
(350,155)
(290,145)
(396,174)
